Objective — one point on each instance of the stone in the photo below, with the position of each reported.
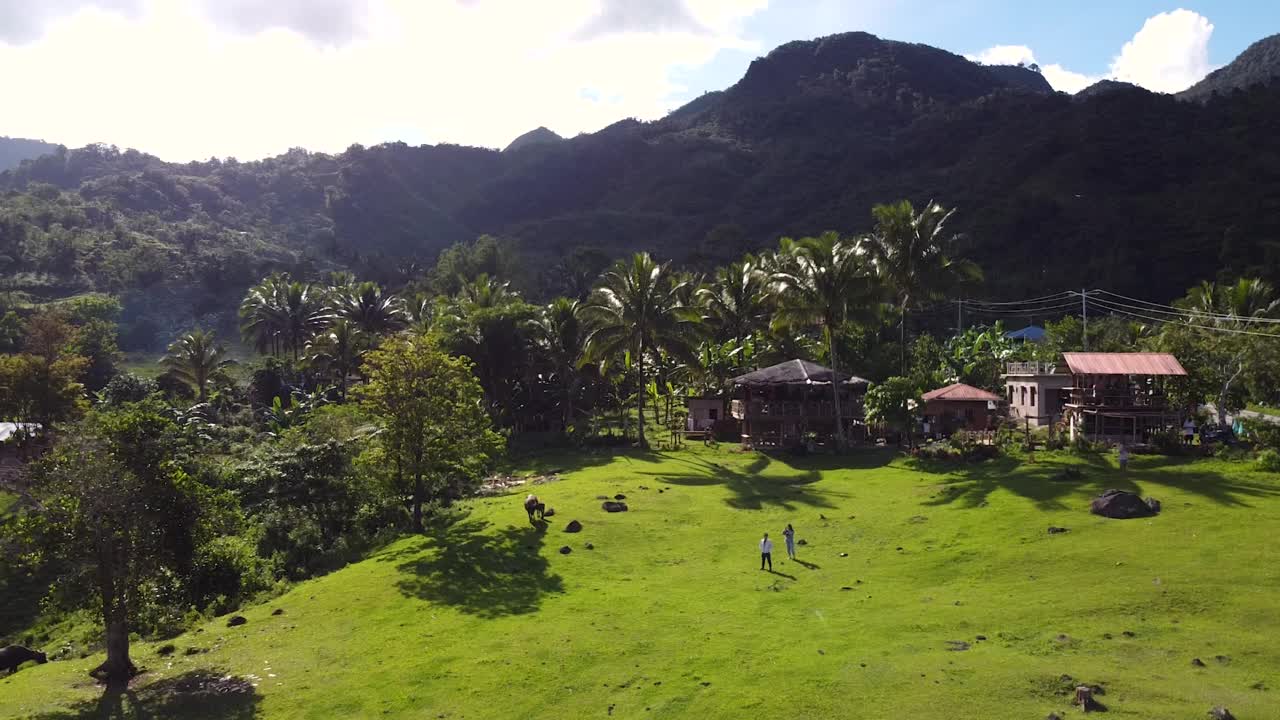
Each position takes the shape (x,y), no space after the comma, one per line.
(1197,662)
(957,645)
(573,527)
(1121,505)
(548,512)
(613,507)
(659,490)
(1222,659)
(166,650)
(1053,716)
(1221,713)
(565,550)
(844,554)
(277,612)
(1057,530)
(619,496)
(980,638)
(846,587)
(602,497)
(589,546)
(236,620)
(1129,633)
(802,541)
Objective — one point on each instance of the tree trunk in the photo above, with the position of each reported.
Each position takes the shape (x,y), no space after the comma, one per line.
(835,388)
(417,502)
(117,669)
(640,392)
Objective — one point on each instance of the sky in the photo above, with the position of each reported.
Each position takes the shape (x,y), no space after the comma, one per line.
(194,79)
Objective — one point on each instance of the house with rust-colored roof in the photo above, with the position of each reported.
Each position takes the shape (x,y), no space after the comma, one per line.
(959,407)
(1120,397)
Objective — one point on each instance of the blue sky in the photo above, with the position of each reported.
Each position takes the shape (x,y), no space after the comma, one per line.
(1083,36)
(193,79)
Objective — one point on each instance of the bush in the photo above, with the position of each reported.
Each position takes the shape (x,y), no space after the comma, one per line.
(128,388)
(226,572)
(1263,434)
(1269,460)
(1168,442)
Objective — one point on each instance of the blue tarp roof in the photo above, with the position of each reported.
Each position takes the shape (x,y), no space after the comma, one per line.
(1032,333)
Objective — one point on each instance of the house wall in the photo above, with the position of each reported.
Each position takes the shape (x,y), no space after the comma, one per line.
(1035,398)
(704,412)
(950,415)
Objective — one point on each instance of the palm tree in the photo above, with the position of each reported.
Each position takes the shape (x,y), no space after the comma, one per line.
(821,283)
(637,309)
(261,314)
(370,309)
(736,304)
(910,252)
(338,350)
(490,323)
(195,359)
(558,335)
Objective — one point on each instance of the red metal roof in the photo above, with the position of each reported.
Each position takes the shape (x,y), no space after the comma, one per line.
(1082,363)
(962,392)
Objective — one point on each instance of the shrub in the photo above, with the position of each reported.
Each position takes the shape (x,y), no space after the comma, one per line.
(1269,460)
(227,571)
(1264,434)
(127,388)
(1168,442)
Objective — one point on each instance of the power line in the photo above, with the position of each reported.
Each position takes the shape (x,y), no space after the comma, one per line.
(1045,298)
(1174,310)
(1211,328)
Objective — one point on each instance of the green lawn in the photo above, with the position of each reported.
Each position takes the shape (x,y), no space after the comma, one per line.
(669,617)
(7,501)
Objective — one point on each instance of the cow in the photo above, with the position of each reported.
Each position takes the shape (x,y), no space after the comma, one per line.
(533,505)
(14,655)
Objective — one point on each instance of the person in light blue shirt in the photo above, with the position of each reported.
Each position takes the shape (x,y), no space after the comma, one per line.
(790,535)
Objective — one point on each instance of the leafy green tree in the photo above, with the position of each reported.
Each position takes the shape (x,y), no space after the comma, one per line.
(637,311)
(435,429)
(196,359)
(978,355)
(280,315)
(911,253)
(95,341)
(35,390)
(1218,342)
(895,403)
(114,510)
(820,283)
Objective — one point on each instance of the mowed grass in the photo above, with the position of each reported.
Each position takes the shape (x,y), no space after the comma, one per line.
(669,616)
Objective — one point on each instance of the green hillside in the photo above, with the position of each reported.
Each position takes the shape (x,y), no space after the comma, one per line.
(668,615)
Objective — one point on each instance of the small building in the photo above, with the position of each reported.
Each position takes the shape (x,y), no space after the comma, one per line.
(1120,396)
(704,413)
(959,407)
(1037,392)
(783,404)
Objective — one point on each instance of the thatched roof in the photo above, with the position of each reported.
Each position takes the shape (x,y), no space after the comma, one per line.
(796,372)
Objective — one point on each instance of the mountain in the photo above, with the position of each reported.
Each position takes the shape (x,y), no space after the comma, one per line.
(1132,191)
(536,136)
(1258,64)
(14,150)
(1103,87)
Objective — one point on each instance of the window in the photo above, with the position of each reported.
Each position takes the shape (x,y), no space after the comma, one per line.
(1033,397)
(1024,395)
(712,413)
(968,414)
(1010,394)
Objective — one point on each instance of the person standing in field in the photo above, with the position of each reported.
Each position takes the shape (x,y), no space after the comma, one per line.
(1124,457)
(1189,431)
(766,552)
(790,535)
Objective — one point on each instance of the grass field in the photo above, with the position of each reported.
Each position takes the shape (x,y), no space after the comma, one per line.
(904,570)
(1264,409)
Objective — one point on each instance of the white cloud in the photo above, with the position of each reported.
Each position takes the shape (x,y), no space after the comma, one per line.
(1169,54)
(172,80)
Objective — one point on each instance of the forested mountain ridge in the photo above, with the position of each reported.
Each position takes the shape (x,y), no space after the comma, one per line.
(14,150)
(1134,191)
(1258,64)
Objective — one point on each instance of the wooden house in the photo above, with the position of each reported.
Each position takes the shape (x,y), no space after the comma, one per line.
(959,407)
(784,404)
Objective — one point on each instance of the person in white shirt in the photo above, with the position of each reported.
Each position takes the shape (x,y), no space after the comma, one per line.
(1124,457)
(766,552)
(1189,431)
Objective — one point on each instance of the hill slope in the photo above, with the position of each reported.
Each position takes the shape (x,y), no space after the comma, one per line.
(1258,64)
(537,136)
(952,601)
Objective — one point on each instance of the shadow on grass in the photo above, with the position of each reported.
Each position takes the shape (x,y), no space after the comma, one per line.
(477,569)
(199,694)
(1047,485)
(751,490)
(560,460)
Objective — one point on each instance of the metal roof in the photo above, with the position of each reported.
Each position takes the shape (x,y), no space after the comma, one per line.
(1030,333)
(961,392)
(796,372)
(1082,363)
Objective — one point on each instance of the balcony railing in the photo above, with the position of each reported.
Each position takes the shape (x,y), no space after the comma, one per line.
(1112,399)
(742,409)
(1030,368)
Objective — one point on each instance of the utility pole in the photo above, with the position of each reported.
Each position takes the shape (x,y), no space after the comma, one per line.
(1084,313)
(959,316)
